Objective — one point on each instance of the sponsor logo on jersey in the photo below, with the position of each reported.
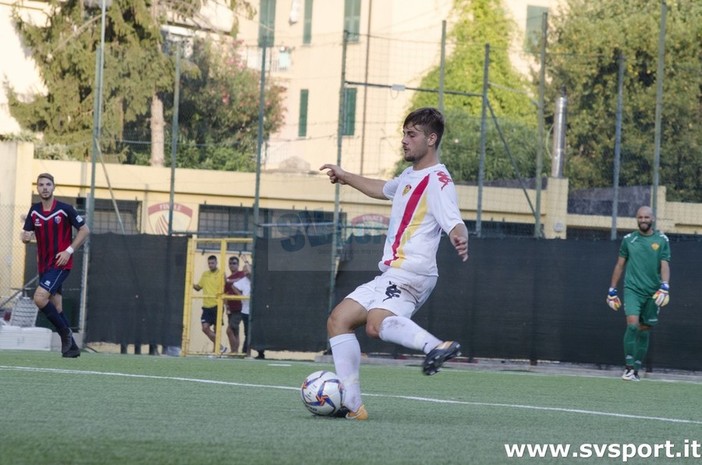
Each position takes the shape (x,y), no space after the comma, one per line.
(444,179)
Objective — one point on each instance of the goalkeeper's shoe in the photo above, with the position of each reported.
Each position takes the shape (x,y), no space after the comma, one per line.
(360,415)
(439,355)
(630,375)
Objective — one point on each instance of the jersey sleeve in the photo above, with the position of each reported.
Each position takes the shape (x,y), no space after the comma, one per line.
(665,248)
(28,223)
(76,220)
(444,202)
(624,247)
(390,188)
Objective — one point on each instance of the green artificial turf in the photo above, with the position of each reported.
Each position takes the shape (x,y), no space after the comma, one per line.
(139,409)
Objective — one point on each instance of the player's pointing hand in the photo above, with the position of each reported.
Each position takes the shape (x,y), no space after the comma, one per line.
(335,173)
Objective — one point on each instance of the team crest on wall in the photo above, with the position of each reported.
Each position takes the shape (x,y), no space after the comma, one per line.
(158,217)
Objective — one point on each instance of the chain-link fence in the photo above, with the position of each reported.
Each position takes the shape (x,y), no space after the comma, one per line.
(12,271)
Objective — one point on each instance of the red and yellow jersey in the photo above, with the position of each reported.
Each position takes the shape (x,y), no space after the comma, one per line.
(423,204)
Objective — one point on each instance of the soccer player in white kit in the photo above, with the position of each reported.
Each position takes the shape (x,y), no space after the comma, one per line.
(423,205)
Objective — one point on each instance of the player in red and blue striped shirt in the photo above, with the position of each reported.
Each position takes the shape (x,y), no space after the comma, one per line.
(51,222)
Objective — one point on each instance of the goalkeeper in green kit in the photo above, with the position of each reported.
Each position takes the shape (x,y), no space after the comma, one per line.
(646,255)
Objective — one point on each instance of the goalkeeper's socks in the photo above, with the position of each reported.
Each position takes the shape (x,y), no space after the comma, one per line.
(642,339)
(407,333)
(54,316)
(630,336)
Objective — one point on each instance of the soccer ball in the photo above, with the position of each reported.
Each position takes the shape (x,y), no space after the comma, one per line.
(322,393)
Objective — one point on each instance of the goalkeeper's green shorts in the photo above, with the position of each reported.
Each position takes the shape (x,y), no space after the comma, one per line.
(642,306)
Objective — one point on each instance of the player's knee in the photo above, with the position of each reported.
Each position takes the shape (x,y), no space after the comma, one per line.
(373,331)
(633,327)
(40,300)
(335,325)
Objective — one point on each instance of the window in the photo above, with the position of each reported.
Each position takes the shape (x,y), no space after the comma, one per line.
(349,122)
(352,19)
(532,38)
(307,26)
(105,219)
(302,122)
(266,24)
(220,221)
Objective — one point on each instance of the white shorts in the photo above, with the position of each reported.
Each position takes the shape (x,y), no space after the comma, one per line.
(397,291)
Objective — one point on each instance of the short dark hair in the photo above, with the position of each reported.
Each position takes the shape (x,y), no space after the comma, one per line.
(233,259)
(211,257)
(46,176)
(431,120)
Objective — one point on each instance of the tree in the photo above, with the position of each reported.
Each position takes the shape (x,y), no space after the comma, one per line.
(481,22)
(64,50)
(136,71)
(219,109)
(585,42)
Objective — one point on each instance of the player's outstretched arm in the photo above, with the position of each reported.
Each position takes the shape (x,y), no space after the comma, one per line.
(370,187)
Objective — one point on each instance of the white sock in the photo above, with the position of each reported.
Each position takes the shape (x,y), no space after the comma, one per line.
(406,332)
(346,352)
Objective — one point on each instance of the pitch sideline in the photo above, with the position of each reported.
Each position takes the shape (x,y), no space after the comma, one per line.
(415,398)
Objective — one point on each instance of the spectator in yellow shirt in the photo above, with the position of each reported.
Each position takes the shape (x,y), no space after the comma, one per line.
(211,283)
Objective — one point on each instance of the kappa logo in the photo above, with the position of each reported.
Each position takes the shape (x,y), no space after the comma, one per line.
(47,283)
(391,291)
(444,179)
(37,222)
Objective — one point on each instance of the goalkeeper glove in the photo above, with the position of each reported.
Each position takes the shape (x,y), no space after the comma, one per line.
(612,299)
(661,296)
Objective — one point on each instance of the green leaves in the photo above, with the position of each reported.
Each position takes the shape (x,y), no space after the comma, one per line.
(585,41)
(480,22)
(135,70)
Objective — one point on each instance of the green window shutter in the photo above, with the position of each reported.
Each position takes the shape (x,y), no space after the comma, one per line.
(307,26)
(349,112)
(302,123)
(266,23)
(532,38)
(352,19)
